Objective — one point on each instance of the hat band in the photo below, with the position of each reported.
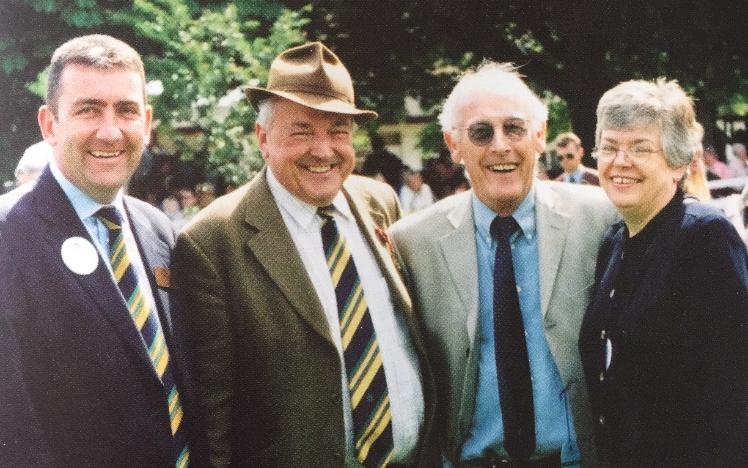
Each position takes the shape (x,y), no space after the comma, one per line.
(312,90)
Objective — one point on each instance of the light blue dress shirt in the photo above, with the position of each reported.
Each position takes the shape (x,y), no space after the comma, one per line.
(553,425)
(576,177)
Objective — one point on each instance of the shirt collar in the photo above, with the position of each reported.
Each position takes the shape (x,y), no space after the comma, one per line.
(301,212)
(577,174)
(84,205)
(524,215)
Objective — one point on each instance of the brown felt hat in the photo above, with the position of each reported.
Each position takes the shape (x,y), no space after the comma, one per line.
(313,76)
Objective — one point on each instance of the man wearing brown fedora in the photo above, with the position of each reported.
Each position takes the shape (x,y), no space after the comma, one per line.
(305,346)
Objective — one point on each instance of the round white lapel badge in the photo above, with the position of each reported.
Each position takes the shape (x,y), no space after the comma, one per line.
(608,353)
(79,255)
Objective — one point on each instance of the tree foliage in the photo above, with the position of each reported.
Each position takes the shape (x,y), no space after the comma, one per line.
(204,58)
(202,51)
(576,50)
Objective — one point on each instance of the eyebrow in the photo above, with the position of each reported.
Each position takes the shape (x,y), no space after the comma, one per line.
(638,140)
(300,125)
(101,103)
(89,102)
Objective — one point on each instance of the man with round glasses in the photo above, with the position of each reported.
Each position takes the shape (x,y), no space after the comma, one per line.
(570,152)
(501,277)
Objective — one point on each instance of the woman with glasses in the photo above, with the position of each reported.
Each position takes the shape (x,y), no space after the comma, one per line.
(663,342)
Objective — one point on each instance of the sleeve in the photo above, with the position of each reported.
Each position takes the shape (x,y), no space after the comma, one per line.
(205,320)
(720,364)
(22,441)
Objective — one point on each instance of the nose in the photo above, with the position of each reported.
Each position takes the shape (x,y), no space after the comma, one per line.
(322,146)
(500,142)
(621,158)
(108,129)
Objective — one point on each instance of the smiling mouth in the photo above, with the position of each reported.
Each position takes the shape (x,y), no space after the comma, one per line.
(319,169)
(105,154)
(503,168)
(623,180)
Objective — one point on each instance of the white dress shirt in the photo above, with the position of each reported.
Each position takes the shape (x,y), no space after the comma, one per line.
(400,361)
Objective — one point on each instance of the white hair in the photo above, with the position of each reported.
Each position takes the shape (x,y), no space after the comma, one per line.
(265,112)
(492,78)
(34,159)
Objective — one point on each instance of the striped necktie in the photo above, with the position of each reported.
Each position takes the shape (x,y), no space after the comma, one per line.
(370,402)
(148,324)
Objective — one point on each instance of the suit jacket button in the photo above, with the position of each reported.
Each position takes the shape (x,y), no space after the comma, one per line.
(602,334)
(602,376)
(612,293)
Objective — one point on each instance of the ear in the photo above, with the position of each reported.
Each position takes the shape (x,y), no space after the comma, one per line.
(47,124)
(451,143)
(539,137)
(262,139)
(678,173)
(148,120)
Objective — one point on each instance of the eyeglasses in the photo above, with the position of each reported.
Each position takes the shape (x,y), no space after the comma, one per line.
(567,156)
(637,152)
(482,133)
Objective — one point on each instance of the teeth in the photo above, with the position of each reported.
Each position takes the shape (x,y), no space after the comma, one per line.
(623,180)
(319,169)
(105,154)
(503,167)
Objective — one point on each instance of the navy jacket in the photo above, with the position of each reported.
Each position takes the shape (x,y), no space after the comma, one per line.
(676,389)
(78,388)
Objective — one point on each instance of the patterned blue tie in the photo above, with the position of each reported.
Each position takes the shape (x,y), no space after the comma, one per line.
(370,401)
(148,324)
(512,363)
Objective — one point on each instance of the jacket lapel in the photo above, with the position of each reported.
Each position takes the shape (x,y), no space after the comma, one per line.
(552,226)
(155,253)
(459,251)
(372,223)
(98,287)
(272,245)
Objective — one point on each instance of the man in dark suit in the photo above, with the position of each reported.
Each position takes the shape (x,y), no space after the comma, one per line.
(95,375)
(570,152)
(306,347)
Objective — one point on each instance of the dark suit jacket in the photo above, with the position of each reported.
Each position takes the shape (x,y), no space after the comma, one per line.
(676,391)
(589,177)
(268,373)
(81,382)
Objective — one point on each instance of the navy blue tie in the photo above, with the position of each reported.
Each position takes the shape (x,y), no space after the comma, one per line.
(512,364)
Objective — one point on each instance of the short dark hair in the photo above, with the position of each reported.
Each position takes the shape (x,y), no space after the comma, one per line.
(96,50)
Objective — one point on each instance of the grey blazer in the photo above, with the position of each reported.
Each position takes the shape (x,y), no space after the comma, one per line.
(438,249)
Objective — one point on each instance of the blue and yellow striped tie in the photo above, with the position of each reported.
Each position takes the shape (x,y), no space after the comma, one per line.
(370,402)
(148,324)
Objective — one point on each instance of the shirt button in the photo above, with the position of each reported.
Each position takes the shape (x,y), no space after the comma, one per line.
(602,335)
(602,376)
(519,290)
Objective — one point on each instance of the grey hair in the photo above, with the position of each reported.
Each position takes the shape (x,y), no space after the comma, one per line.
(499,79)
(663,104)
(265,110)
(95,50)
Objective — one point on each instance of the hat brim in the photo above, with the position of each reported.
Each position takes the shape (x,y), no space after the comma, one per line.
(315,101)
